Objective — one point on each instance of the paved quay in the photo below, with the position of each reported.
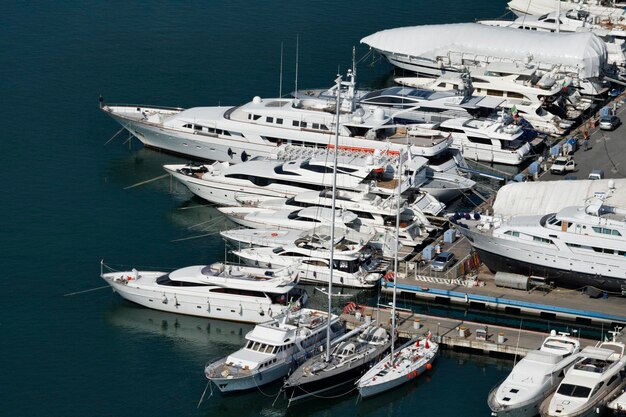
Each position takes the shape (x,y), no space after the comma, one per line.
(459,335)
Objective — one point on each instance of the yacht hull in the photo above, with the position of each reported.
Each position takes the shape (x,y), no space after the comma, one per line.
(499,255)
(252,381)
(199,146)
(337,380)
(200,306)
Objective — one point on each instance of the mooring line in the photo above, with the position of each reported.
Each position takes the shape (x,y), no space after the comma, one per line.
(147,181)
(80,292)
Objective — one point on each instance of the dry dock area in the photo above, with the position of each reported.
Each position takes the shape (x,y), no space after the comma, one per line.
(476,287)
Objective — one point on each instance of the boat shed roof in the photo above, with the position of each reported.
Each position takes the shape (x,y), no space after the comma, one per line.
(585,51)
(542,197)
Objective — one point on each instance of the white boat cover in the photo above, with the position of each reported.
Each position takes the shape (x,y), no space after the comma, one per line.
(543,197)
(584,51)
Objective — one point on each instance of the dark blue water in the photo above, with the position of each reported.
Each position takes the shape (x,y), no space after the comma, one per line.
(65,206)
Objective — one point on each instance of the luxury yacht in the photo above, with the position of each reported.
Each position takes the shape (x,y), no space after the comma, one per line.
(490,140)
(435,49)
(534,377)
(273,349)
(353,265)
(609,10)
(257,128)
(574,20)
(217,291)
(575,247)
(261,179)
(514,93)
(597,377)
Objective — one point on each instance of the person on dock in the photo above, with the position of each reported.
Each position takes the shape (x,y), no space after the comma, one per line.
(585,140)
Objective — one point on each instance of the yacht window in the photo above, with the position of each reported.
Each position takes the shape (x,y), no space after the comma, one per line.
(496,93)
(324,169)
(295,123)
(511,233)
(188,125)
(269,119)
(279,170)
(279,121)
(256,117)
(303,124)
(574,391)
(605,231)
(482,141)
(226,133)
(211,130)
(197,127)
(316,125)
(512,94)
(541,239)
(268,349)
(324,127)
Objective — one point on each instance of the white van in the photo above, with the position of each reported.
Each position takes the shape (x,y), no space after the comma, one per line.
(596,174)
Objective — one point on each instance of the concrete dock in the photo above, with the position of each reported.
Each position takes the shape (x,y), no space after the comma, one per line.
(460,335)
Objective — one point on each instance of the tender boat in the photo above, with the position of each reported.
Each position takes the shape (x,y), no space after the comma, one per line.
(273,349)
(597,377)
(351,356)
(575,247)
(217,291)
(534,377)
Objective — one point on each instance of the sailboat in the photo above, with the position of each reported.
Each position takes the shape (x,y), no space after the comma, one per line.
(400,366)
(346,358)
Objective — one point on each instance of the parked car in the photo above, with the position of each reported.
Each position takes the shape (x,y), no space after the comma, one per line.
(596,174)
(442,261)
(562,165)
(609,122)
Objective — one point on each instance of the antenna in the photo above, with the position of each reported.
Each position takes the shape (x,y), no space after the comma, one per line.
(297,50)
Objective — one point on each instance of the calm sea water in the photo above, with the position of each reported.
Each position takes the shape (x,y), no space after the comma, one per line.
(65,205)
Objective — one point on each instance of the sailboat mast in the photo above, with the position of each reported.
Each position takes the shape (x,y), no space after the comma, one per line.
(297,50)
(395,258)
(280,82)
(332,224)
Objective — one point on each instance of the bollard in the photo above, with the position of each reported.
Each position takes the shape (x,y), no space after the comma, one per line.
(417,323)
(463,331)
(368,318)
(501,337)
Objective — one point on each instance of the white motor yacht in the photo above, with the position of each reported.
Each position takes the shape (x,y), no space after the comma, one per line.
(534,377)
(257,128)
(576,247)
(218,291)
(258,180)
(353,265)
(517,93)
(597,377)
(295,219)
(609,10)
(489,140)
(373,212)
(272,350)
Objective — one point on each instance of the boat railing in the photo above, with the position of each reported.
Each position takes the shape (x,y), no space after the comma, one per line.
(221,369)
(143,106)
